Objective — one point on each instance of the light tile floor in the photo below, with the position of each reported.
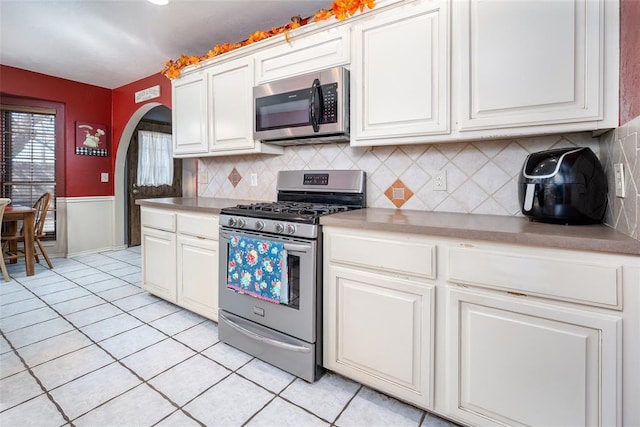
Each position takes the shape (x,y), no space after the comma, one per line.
(84,345)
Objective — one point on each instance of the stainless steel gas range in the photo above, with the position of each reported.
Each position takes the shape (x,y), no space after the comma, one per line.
(270,287)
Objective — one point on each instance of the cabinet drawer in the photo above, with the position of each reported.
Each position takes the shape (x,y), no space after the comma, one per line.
(404,256)
(198,225)
(158,218)
(562,277)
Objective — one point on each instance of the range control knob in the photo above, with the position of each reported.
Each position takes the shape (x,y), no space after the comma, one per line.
(242,223)
(279,227)
(231,222)
(259,225)
(291,228)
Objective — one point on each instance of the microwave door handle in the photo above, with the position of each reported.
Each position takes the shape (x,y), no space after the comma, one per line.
(313,108)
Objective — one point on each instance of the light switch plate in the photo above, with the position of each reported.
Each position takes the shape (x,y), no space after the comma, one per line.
(618,170)
(104,177)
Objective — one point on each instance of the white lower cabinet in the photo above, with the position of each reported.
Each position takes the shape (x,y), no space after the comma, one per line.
(180,258)
(198,275)
(159,263)
(519,362)
(535,335)
(484,333)
(378,326)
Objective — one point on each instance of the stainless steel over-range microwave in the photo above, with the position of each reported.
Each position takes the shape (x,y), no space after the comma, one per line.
(309,108)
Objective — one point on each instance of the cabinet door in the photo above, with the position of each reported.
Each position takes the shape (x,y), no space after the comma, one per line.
(303,54)
(529,62)
(190,114)
(198,275)
(159,263)
(517,362)
(379,330)
(231,91)
(400,74)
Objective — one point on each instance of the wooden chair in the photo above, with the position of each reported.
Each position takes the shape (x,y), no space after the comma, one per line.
(3,204)
(41,206)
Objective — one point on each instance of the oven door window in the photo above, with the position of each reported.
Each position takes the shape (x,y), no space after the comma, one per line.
(263,269)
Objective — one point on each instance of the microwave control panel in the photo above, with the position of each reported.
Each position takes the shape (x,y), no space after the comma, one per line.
(329,103)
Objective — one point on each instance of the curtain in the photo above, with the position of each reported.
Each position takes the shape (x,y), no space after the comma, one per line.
(155,159)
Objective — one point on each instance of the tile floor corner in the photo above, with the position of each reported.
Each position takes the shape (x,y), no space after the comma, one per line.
(84,345)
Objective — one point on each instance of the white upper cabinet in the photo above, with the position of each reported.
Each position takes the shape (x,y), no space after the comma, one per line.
(304,54)
(190,130)
(516,68)
(400,74)
(230,86)
(231,106)
(531,64)
(424,71)
(213,111)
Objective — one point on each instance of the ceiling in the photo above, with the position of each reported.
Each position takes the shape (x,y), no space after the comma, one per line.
(110,43)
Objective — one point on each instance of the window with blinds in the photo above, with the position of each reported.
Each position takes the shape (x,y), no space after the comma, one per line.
(29,157)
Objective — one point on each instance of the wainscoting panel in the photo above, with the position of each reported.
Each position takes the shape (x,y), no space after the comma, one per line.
(87,224)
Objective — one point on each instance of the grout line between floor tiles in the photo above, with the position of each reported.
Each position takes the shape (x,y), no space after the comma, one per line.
(424,415)
(349,403)
(179,408)
(247,421)
(34,376)
(119,360)
(303,408)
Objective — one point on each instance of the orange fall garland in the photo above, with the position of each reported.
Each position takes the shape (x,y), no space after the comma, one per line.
(340,9)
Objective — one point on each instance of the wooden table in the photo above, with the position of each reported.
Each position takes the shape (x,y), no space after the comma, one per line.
(13,214)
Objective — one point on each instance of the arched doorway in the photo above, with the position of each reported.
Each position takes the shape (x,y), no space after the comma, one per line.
(153,148)
(120,185)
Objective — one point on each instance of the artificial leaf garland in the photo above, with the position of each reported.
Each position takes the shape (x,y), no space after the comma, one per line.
(340,9)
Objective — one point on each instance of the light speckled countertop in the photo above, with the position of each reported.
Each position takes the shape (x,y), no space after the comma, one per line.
(493,228)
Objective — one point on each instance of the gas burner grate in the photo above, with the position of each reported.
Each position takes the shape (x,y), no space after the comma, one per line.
(294,208)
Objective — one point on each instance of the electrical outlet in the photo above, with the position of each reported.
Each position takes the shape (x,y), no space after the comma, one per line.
(439,180)
(618,170)
(254,179)
(104,176)
(203,177)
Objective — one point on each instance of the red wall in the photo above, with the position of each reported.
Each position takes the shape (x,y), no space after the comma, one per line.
(85,103)
(124,103)
(82,102)
(629,60)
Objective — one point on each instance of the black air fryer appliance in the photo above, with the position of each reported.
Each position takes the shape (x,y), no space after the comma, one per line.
(566,186)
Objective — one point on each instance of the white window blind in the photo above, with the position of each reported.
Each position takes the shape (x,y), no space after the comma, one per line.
(155,159)
(29,157)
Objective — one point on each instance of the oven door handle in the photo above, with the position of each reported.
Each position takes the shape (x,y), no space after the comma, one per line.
(260,338)
(296,248)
